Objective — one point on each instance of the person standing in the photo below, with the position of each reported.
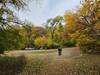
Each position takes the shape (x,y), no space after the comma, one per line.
(59,51)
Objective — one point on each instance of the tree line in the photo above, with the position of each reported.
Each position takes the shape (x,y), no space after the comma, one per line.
(79,27)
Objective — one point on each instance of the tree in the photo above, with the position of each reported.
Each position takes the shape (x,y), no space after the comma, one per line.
(89,17)
(71,19)
(39,32)
(40,42)
(10,39)
(54,28)
(28,29)
(83,26)
(52,23)
(32,32)
(6,14)
(8,36)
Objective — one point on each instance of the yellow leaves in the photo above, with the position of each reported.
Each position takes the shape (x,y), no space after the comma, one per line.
(70,21)
(40,41)
(49,42)
(86,7)
(88,14)
(69,16)
(97,26)
(98,14)
(75,35)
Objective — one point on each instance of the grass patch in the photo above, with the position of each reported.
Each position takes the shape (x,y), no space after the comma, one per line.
(21,65)
(83,65)
(12,65)
(35,66)
(43,51)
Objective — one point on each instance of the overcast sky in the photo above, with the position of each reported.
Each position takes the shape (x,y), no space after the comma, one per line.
(40,11)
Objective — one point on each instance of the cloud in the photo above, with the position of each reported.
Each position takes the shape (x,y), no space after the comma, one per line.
(41,11)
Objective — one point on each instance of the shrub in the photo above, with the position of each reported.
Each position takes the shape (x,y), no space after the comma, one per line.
(89,45)
(70,43)
(54,45)
(51,44)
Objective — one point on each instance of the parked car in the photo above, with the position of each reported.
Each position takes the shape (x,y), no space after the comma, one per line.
(30,49)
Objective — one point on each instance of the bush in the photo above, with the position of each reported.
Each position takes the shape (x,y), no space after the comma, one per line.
(70,43)
(51,44)
(89,45)
(54,45)
(88,40)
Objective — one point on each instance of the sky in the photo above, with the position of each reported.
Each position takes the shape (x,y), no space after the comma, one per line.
(41,10)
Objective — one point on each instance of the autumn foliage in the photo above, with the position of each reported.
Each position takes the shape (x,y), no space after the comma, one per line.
(83,25)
